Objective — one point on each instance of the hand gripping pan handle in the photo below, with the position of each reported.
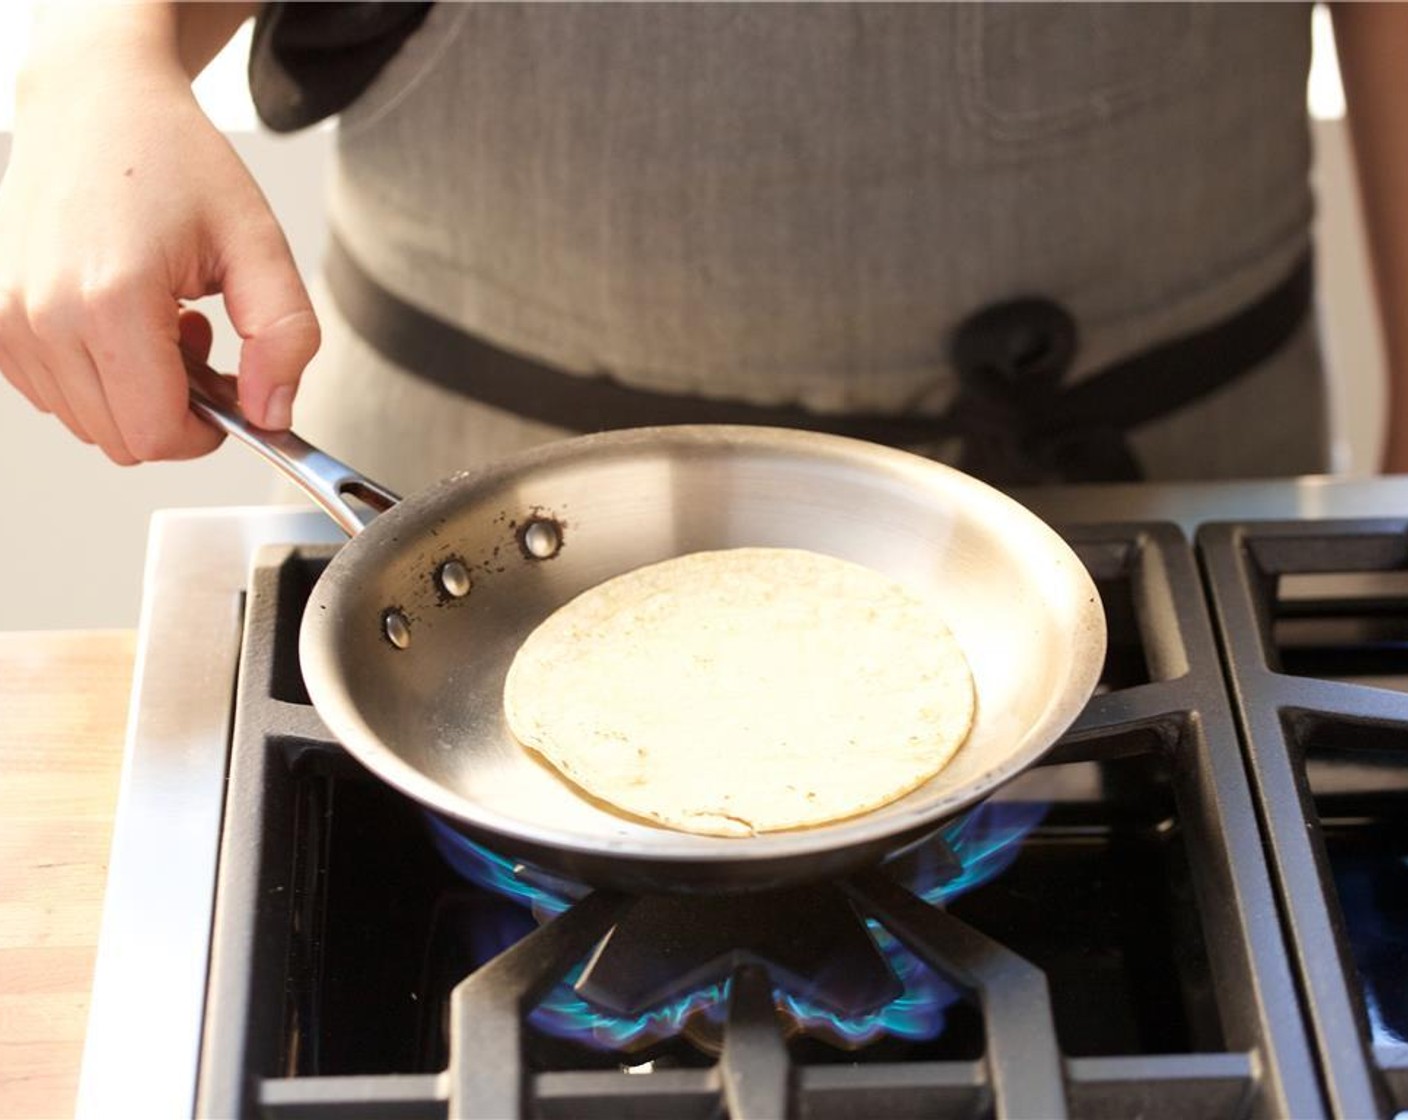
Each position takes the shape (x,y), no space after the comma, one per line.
(326,480)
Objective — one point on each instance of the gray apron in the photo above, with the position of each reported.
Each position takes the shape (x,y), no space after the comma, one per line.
(799,204)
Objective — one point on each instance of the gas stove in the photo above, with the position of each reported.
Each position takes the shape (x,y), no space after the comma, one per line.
(1197,906)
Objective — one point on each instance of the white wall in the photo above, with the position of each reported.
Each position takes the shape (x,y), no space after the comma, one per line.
(72,541)
(1350,335)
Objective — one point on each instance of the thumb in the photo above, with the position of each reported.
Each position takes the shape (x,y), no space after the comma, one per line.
(270,308)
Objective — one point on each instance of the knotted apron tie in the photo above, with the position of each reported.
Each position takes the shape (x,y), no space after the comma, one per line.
(1011,360)
(1018,423)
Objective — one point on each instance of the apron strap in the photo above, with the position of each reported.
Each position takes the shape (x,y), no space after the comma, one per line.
(1017,424)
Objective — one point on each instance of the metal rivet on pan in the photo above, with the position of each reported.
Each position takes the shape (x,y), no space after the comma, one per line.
(542,539)
(398,630)
(454,578)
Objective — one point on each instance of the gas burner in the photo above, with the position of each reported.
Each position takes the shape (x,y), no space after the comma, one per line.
(1126,956)
(665,969)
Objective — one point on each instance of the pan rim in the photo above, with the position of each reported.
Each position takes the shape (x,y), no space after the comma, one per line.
(1083,655)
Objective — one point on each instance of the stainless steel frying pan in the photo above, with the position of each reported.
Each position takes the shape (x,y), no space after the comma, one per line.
(410,631)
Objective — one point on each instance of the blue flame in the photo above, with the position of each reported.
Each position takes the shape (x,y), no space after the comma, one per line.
(500,876)
(917,1013)
(567,1015)
(984,842)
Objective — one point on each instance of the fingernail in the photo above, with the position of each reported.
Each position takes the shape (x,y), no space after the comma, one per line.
(278,411)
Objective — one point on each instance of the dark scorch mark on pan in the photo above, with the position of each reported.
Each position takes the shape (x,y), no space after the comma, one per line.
(540,519)
(443,596)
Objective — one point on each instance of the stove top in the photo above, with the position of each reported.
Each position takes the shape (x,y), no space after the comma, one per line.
(1197,906)
(1314,623)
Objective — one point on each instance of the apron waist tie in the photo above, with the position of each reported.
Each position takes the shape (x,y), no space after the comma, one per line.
(1017,423)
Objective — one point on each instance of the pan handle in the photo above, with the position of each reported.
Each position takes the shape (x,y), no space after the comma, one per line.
(326,480)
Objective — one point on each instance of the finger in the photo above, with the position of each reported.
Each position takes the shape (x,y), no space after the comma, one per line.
(136,347)
(76,374)
(12,323)
(58,324)
(14,373)
(196,334)
(196,337)
(46,385)
(270,308)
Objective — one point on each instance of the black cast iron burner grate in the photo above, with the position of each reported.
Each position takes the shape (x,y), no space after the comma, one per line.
(308,937)
(1314,624)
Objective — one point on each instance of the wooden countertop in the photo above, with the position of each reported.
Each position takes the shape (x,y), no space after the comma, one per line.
(63,708)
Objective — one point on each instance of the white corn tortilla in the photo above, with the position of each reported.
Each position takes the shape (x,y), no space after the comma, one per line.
(742,691)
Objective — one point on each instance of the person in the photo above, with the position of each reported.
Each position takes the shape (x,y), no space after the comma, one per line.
(1046,243)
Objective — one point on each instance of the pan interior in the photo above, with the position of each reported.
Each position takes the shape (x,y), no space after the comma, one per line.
(429,717)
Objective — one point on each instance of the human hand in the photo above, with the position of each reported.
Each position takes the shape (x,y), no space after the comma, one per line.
(120,201)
